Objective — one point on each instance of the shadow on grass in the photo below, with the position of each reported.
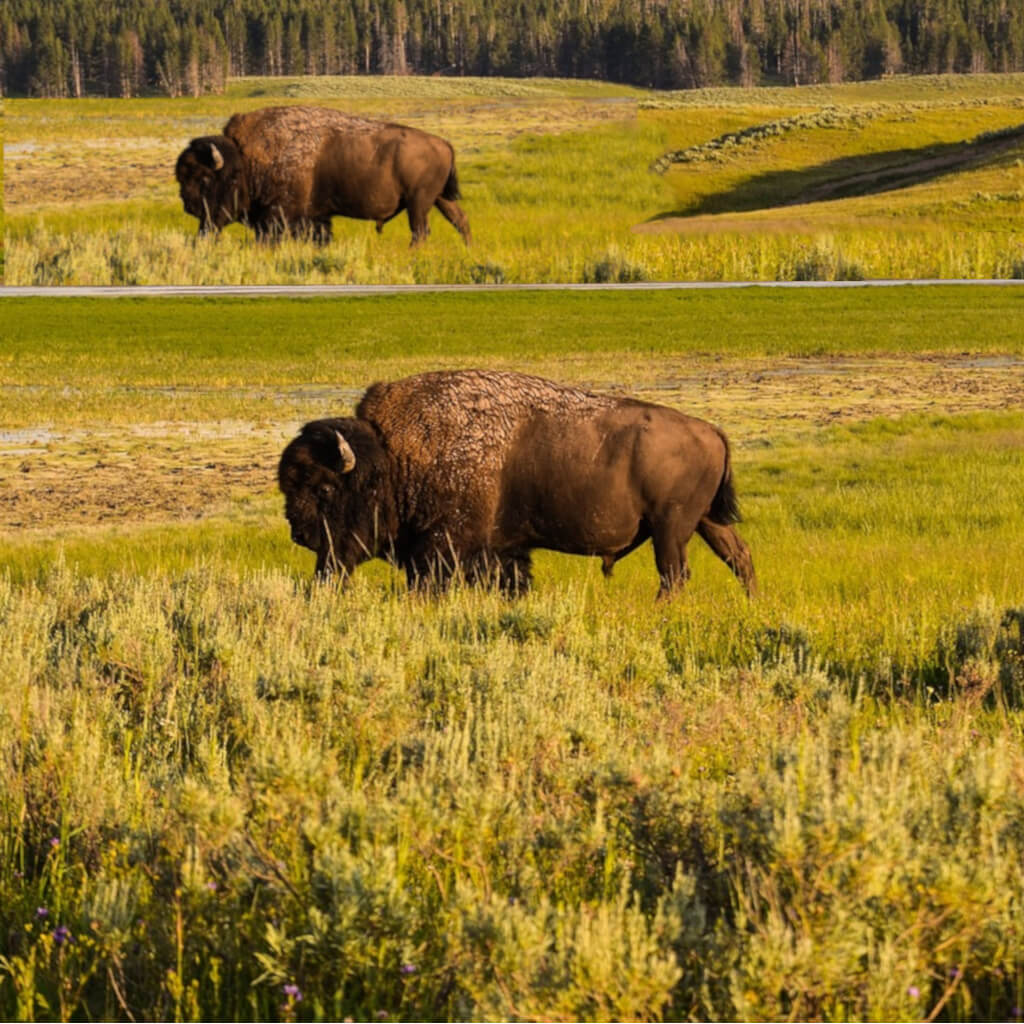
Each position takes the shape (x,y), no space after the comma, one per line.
(846,177)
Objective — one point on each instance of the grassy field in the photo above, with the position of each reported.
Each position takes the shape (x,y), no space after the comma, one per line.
(892,179)
(232,793)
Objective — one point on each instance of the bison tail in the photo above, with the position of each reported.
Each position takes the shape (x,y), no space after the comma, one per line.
(725,508)
(451,186)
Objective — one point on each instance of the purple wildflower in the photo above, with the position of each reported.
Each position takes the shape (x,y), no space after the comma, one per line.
(955,972)
(293,992)
(913,991)
(54,843)
(42,912)
(61,934)
(408,969)
(1016,1011)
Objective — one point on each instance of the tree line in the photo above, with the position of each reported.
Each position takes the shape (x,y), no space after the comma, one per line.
(60,48)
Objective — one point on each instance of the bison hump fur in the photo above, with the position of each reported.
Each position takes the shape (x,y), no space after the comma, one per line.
(466,472)
(293,168)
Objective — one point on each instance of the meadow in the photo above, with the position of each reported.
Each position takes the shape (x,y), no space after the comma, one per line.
(231,792)
(563,181)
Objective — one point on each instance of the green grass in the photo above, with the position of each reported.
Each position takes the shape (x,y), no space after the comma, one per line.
(556,184)
(215,347)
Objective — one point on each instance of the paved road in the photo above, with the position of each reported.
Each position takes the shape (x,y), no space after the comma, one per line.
(400,289)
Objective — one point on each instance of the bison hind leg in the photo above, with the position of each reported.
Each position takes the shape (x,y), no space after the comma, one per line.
(730,548)
(419,223)
(455,216)
(671,534)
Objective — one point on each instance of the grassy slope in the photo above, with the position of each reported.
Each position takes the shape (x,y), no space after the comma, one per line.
(555,177)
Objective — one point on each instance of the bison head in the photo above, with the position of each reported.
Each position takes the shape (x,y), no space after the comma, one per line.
(212,182)
(337,486)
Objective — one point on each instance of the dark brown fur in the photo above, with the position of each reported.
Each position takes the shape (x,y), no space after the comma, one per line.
(471,470)
(291,169)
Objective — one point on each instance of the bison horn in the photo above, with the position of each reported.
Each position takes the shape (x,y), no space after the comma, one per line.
(218,160)
(348,457)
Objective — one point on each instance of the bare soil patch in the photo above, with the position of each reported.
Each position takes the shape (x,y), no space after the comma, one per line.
(82,479)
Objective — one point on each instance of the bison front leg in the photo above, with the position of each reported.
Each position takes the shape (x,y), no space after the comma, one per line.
(453,213)
(429,569)
(320,232)
(517,574)
(510,571)
(328,566)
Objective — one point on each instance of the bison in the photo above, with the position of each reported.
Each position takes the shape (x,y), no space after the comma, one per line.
(291,169)
(469,471)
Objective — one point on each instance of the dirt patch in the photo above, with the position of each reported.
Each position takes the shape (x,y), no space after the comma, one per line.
(39,173)
(764,400)
(90,479)
(177,473)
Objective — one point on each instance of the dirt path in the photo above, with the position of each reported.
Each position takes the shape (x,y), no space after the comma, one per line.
(903,175)
(178,472)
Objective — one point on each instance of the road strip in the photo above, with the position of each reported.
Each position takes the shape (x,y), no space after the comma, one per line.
(289,290)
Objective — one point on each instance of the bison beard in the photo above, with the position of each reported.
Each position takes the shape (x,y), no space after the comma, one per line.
(467,472)
(291,169)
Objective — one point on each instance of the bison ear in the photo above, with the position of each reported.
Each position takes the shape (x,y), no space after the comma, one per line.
(345,453)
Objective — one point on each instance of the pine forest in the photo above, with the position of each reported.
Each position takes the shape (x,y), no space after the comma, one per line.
(73,48)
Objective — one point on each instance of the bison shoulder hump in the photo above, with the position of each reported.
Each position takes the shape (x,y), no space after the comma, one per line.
(466,421)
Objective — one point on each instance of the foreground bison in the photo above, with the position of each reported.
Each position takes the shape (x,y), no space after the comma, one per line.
(469,471)
(294,168)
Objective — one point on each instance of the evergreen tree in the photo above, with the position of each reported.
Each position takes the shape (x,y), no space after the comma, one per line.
(134,47)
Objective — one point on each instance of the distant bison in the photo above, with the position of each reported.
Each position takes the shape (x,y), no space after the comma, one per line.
(469,471)
(291,169)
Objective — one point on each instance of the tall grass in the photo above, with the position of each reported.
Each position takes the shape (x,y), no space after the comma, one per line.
(232,794)
(45,257)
